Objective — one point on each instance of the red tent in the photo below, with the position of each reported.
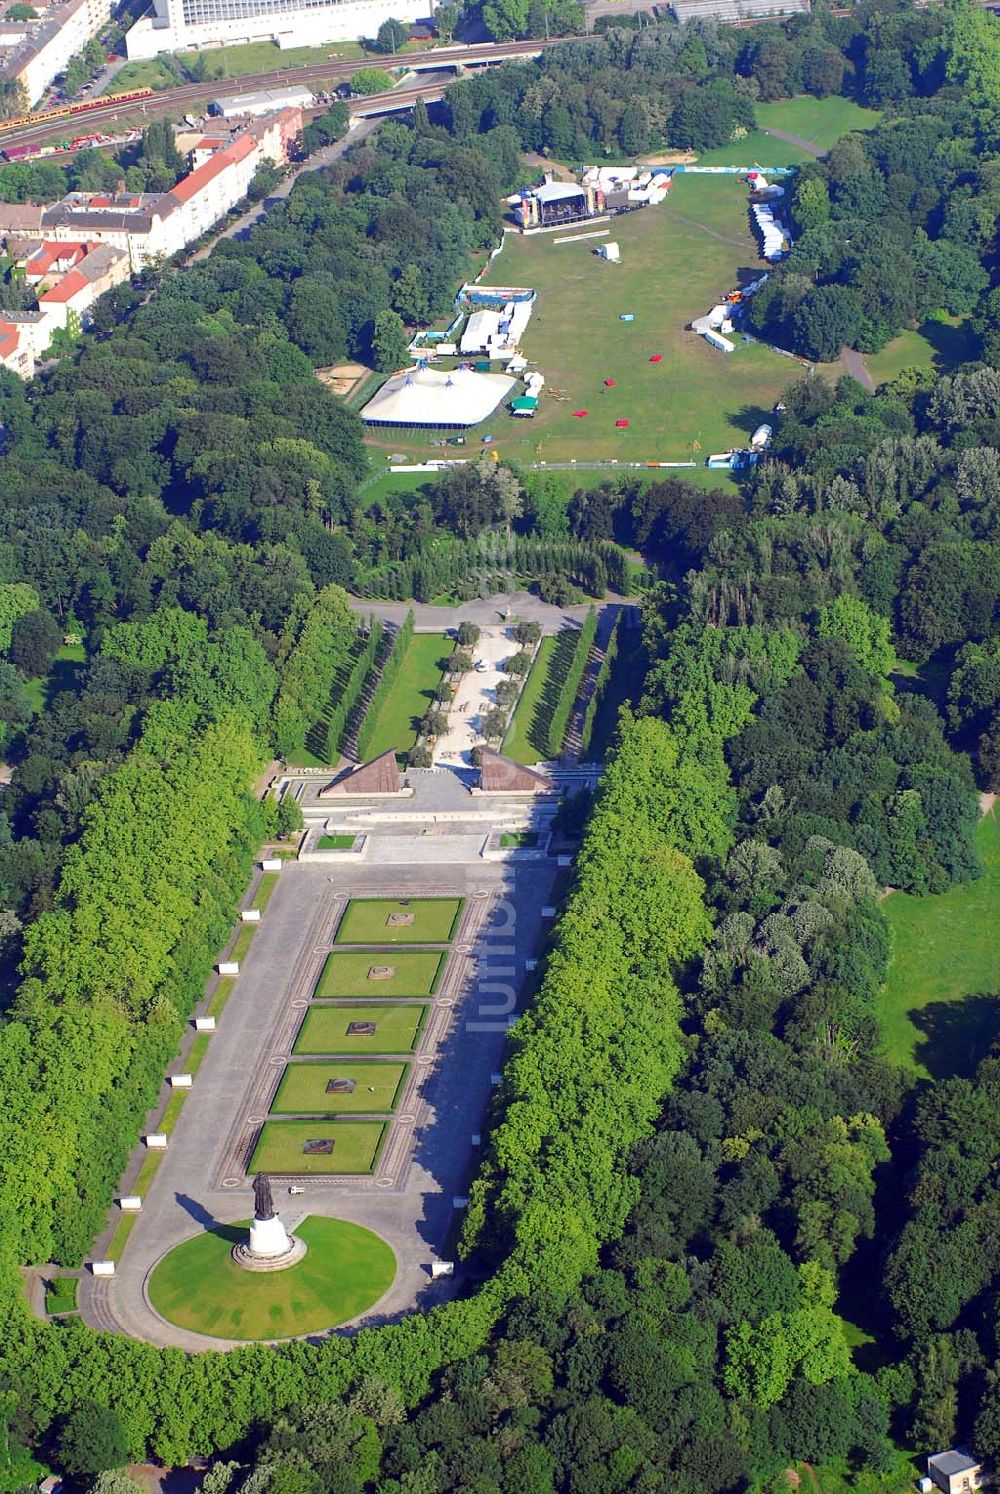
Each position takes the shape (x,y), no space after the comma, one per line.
(610,383)
(656,358)
(579,414)
(621,424)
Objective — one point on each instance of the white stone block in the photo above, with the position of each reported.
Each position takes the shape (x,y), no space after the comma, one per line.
(476,1138)
(271,863)
(548,912)
(250,915)
(204,1024)
(229,967)
(442,1268)
(179,1081)
(564,861)
(156,1141)
(531,964)
(103,1268)
(130,1204)
(460,1202)
(496,1079)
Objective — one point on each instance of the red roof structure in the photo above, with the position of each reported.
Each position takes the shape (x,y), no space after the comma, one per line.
(68,287)
(501,775)
(380,776)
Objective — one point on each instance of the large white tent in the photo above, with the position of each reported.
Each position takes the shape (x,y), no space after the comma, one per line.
(434,396)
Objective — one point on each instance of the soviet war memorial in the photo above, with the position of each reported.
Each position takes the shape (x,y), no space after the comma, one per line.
(500,663)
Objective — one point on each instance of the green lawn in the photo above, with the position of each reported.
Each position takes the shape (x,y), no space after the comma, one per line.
(411,694)
(280,1147)
(303,1088)
(336,842)
(224,987)
(756,149)
(347,973)
(66,663)
(324,1030)
(265,890)
(941,1009)
(366,921)
(677,259)
(345,1270)
(515,839)
(820,121)
(525,740)
(229,62)
(244,939)
(938,345)
(60,1294)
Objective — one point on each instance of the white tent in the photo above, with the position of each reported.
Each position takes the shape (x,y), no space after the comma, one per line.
(482,328)
(433,396)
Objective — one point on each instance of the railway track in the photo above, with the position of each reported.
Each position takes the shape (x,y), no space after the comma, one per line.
(178,100)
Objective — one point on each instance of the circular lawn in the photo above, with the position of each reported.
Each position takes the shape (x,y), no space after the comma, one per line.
(199,1286)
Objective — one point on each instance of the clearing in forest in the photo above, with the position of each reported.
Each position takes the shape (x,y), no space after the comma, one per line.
(941,1007)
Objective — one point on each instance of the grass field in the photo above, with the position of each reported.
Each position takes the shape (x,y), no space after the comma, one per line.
(366,921)
(757,149)
(344,1271)
(279,1149)
(265,890)
(820,121)
(324,1030)
(303,1091)
(941,1009)
(517,839)
(65,666)
(939,345)
(525,739)
(335,842)
(411,694)
(677,259)
(60,1294)
(346,973)
(229,62)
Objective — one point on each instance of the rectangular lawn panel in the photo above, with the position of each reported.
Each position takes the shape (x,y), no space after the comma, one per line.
(325,1029)
(411,695)
(314,1088)
(526,736)
(280,1147)
(413,920)
(349,973)
(940,1008)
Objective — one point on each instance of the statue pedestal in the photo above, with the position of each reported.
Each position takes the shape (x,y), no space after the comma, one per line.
(268,1237)
(270,1247)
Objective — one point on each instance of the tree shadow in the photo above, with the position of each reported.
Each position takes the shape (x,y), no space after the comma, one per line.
(750,417)
(952,345)
(957,1035)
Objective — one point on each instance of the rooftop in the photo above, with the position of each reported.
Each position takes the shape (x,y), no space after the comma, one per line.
(950,1463)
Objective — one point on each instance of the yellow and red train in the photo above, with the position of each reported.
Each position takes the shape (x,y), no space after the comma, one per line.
(68,111)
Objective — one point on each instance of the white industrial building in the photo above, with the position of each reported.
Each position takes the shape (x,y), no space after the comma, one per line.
(435,397)
(242,105)
(174,25)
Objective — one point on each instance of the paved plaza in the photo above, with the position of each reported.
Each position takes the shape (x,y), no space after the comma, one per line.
(429,1155)
(475,697)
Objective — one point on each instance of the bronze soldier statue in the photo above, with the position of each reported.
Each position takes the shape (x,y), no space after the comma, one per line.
(263,1202)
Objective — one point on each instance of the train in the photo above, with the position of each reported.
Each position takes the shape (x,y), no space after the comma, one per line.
(68,111)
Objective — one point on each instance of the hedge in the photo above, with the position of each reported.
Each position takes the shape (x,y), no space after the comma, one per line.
(600,685)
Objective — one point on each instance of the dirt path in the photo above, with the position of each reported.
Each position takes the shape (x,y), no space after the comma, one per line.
(807,145)
(857,368)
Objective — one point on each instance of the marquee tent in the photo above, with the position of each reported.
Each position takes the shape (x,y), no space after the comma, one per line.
(436,397)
